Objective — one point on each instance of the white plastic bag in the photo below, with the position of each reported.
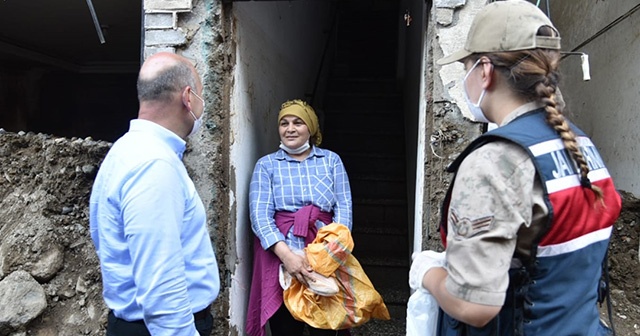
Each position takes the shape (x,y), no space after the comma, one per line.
(422,314)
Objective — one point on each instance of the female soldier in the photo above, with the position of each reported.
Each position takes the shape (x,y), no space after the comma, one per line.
(294,191)
(529,216)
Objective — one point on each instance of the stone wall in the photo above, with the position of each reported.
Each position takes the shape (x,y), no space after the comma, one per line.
(449,127)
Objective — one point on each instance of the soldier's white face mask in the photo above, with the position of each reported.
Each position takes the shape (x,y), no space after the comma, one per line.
(474,108)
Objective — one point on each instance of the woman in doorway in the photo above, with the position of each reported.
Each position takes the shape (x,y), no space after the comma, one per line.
(294,191)
(527,220)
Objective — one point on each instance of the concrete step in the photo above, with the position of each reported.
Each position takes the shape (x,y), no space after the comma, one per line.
(377,213)
(382,231)
(363,101)
(394,327)
(364,85)
(381,243)
(359,141)
(357,57)
(378,186)
(390,277)
(366,112)
(358,163)
(378,117)
(395,296)
(350,64)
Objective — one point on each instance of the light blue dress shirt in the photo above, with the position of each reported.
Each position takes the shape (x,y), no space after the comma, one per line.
(149,228)
(281,183)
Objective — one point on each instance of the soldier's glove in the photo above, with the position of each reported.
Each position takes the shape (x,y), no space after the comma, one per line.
(423,262)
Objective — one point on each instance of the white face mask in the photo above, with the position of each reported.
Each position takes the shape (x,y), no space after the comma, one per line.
(197,122)
(475,109)
(298,150)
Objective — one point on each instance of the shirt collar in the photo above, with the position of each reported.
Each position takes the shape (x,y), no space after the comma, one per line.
(315,151)
(522,109)
(168,137)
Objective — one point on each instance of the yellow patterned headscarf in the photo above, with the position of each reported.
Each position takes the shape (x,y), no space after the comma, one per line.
(305,112)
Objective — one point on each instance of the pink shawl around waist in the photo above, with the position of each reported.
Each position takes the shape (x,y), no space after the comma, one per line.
(266,294)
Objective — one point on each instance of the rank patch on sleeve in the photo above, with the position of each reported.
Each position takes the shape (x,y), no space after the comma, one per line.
(464,228)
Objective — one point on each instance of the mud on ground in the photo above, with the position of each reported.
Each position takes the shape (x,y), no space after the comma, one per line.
(624,269)
(44,229)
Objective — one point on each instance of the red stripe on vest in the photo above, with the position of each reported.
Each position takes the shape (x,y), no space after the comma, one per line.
(581,213)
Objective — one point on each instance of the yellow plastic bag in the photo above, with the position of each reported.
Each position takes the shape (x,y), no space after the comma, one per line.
(356,302)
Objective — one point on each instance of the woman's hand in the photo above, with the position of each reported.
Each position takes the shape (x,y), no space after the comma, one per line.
(295,264)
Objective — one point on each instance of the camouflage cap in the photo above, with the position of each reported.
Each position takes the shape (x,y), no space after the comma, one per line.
(508,25)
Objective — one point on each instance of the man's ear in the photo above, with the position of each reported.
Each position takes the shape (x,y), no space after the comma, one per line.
(186,97)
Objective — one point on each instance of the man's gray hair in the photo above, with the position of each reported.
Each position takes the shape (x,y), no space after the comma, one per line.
(167,82)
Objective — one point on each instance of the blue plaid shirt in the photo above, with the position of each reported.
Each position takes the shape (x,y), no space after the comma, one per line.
(281,183)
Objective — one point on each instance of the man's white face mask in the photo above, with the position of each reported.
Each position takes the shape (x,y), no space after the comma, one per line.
(197,122)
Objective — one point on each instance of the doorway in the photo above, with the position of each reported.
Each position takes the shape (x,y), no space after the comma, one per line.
(360,65)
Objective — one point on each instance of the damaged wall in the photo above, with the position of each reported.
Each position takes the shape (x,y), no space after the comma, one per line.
(606,107)
(448,127)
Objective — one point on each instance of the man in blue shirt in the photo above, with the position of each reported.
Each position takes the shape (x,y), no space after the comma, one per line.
(147,221)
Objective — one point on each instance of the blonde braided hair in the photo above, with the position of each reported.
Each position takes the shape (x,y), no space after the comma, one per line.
(534,75)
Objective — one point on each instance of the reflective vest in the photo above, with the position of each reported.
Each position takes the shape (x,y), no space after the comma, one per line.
(556,290)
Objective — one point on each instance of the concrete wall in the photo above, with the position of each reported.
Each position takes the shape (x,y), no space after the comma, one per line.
(607,106)
(278,48)
(453,19)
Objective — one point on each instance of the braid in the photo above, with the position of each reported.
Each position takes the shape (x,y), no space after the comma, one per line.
(534,75)
(560,124)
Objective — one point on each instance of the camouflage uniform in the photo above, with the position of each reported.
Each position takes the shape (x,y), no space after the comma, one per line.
(524,232)
(492,199)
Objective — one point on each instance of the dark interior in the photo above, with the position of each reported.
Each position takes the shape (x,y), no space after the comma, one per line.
(56,75)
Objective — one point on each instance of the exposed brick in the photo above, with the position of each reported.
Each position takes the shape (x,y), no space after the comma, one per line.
(167,5)
(449,3)
(159,20)
(444,16)
(148,51)
(165,37)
